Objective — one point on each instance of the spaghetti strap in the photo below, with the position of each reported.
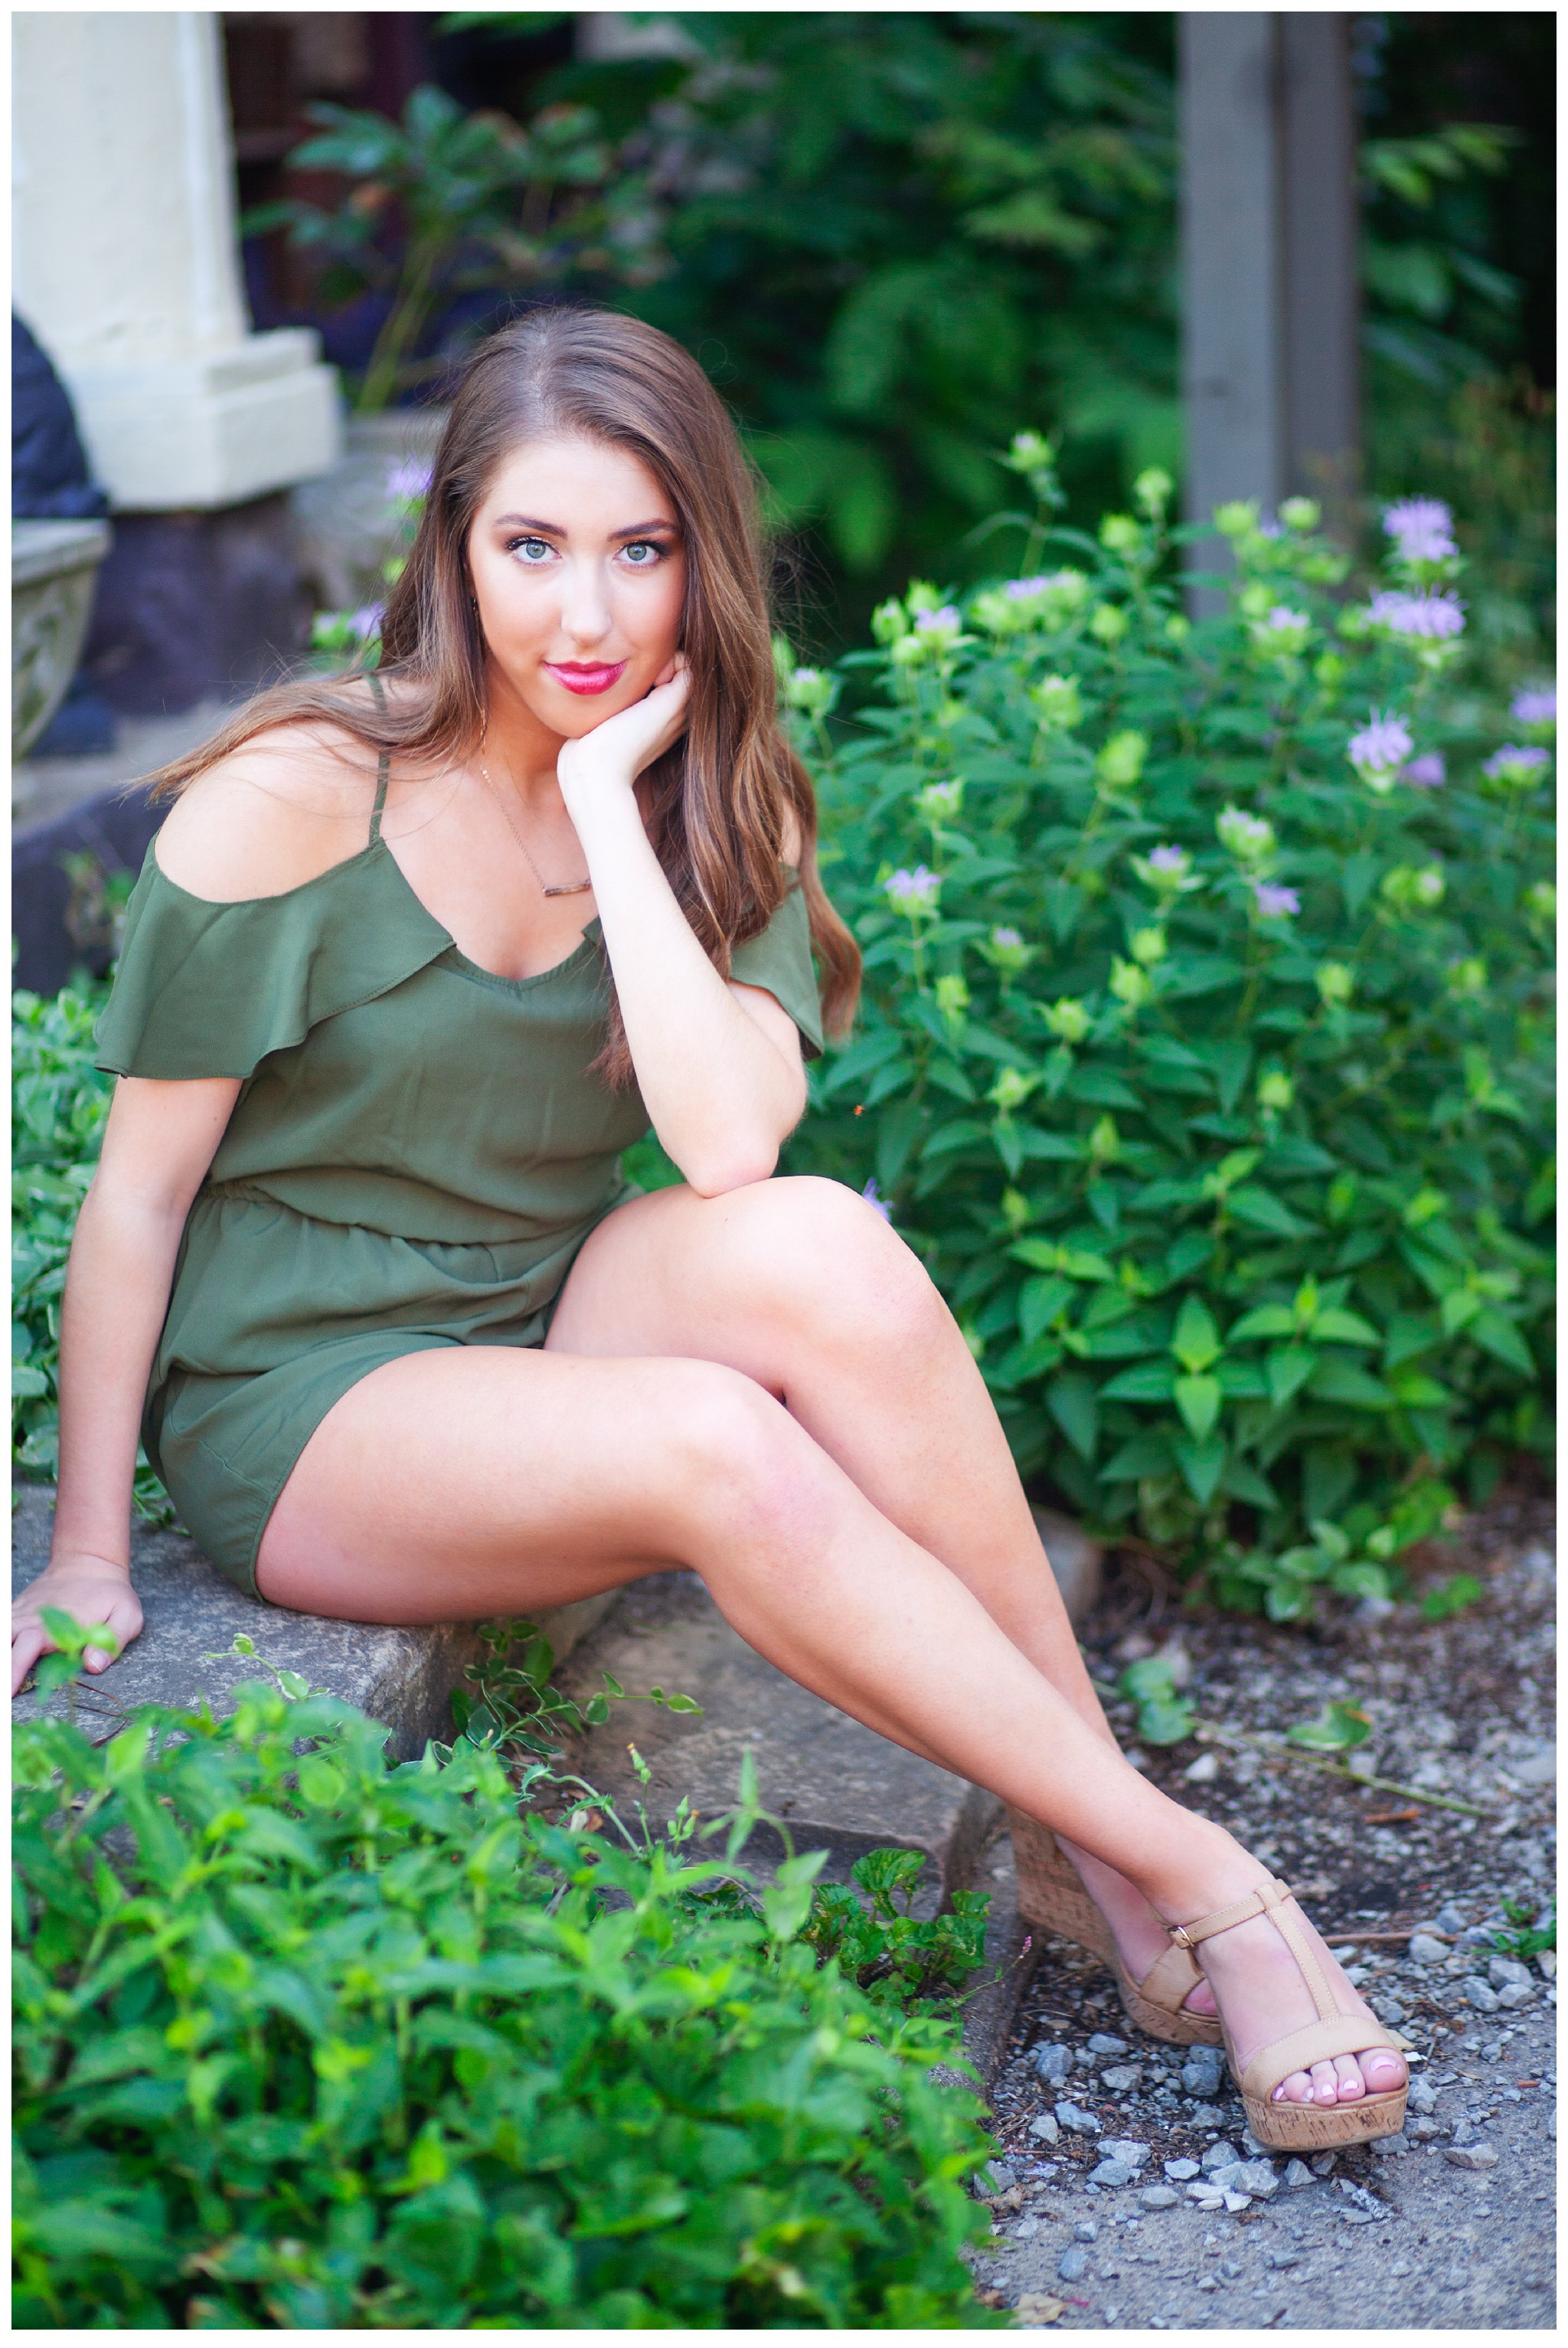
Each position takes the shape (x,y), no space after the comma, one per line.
(383,766)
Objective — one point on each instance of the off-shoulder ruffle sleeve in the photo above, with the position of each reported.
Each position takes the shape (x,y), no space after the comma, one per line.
(780,961)
(208,990)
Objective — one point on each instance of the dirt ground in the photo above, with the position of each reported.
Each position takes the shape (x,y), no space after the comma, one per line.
(1449,2227)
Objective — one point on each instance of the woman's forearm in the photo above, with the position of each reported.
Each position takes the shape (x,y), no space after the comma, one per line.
(116,1294)
(720,1095)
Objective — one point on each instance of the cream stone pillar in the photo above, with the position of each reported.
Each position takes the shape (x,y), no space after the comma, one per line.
(126,265)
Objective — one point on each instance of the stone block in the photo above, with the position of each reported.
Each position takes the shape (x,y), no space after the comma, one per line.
(834,1785)
(1075,1560)
(403,1677)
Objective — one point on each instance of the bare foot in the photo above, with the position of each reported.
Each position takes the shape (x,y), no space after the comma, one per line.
(1264,1995)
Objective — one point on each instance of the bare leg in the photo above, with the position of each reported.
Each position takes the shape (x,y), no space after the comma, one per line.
(805,1288)
(483,1481)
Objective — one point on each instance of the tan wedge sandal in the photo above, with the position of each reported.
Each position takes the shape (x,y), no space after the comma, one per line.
(1302,2127)
(1050,1893)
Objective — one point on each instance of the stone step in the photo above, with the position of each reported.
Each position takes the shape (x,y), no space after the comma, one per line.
(405,1677)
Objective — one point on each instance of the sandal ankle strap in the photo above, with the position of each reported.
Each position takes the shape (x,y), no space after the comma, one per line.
(1271,1893)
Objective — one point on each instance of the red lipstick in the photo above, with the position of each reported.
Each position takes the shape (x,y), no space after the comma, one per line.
(587,676)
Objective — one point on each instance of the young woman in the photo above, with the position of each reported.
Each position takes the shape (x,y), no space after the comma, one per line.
(411,960)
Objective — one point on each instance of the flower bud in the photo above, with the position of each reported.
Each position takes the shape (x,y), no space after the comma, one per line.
(952,999)
(1107,623)
(1130,984)
(1468,978)
(1148,946)
(1118,533)
(1121,762)
(1275,1089)
(1335,981)
(1300,513)
(1153,490)
(1236,519)
(1011,1089)
(1068,1018)
(889,621)
(939,803)
(1057,700)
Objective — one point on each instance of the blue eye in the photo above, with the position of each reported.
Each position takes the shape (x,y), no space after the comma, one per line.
(530,549)
(642,554)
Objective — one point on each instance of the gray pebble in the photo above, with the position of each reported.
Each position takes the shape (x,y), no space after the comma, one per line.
(1045,2128)
(1159,2196)
(1388,2010)
(1296,2174)
(1517,1993)
(1423,2095)
(997,2176)
(1203,2071)
(1507,1972)
(1426,1950)
(1482,1995)
(1080,2122)
(1478,1936)
(1123,2078)
(1285,2258)
(1103,2044)
(1182,2170)
(1254,2177)
(1125,2148)
(1070,2265)
(1113,2173)
(1470,2156)
(1219,2156)
(1450,1918)
(1052,2063)
(1086,2230)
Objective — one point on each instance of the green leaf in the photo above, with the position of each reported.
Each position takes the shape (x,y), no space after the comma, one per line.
(1145,1454)
(1337,1327)
(1198,1399)
(1260,1208)
(1039,1303)
(1450,1598)
(1196,1342)
(1145,1382)
(1202,1464)
(1243,1482)
(1338,1381)
(1498,1336)
(1265,1320)
(1287,1369)
(1339,1728)
(1071,1401)
(1165,1721)
(1152,1676)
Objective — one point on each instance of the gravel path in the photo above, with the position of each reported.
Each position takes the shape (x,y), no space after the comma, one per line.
(1131,2196)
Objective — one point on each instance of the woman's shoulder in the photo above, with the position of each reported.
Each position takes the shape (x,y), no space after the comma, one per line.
(283,807)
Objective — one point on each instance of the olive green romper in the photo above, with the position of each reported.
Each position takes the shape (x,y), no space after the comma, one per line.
(416,1154)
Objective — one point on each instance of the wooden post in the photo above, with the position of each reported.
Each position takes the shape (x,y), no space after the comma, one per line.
(1268,218)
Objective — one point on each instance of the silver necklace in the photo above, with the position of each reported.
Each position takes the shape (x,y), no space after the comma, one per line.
(559,888)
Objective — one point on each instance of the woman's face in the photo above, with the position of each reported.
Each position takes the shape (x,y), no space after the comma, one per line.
(579,573)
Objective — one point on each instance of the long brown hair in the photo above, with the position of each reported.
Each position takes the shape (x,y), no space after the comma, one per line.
(720,802)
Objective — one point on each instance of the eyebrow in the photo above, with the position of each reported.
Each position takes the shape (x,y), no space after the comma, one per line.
(555,530)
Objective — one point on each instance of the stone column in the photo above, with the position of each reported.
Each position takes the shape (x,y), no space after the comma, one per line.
(1268,214)
(126,265)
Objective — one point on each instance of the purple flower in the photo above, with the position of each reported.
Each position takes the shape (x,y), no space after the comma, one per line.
(409,478)
(874,1198)
(1380,748)
(1021,590)
(1535,707)
(1419,618)
(1427,773)
(1421,529)
(1517,762)
(1171,860)
(914,892)
(1270,528)
(945,617)
(366,622)
(1274,901)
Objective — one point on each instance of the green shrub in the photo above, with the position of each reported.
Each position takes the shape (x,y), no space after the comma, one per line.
(59,1104)
(1205,1053)
(303,2040)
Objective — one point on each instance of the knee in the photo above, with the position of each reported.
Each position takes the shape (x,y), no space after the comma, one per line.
(734,1456)
(831,1262)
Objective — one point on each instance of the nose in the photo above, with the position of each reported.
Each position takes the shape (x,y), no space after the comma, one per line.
(585,604)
